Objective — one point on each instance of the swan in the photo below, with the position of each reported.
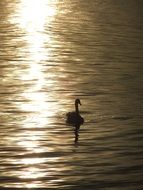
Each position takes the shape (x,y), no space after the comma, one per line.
(74,118)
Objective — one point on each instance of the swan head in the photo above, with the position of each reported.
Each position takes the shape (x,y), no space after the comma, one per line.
(77,101)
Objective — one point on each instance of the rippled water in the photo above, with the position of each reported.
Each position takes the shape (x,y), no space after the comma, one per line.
(52,52)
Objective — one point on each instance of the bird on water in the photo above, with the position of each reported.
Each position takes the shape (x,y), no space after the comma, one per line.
(74,118)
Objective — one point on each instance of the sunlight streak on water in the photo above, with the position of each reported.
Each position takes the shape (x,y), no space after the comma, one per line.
(32,14)
(33,23)
(31,17)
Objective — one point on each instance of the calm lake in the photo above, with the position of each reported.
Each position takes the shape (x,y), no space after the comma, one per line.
(52,52)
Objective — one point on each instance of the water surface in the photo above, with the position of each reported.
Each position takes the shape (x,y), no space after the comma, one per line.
(52,52)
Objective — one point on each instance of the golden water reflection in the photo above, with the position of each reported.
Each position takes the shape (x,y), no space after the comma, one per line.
(31,18)
(32,14)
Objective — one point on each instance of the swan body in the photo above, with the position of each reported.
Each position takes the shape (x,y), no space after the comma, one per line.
(74,118)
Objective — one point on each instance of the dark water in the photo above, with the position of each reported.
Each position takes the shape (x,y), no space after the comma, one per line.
(52,52)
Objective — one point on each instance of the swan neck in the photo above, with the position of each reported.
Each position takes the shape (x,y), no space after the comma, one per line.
(76,108)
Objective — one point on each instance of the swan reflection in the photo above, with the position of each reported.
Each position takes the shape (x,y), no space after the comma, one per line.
(76,132)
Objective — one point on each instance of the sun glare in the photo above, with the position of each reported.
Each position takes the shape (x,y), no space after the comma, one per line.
(35,13)
(32,17)
(37,99)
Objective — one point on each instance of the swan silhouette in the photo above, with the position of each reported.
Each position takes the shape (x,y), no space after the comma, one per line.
(74,118)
